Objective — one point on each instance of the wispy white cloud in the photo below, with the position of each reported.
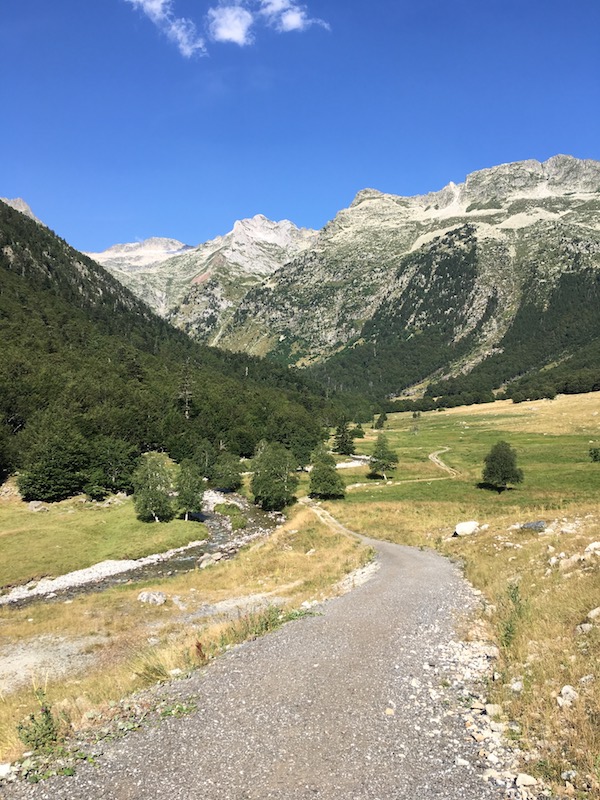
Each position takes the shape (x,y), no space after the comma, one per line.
(228,23)
(179,30)
(232,21)
(288,15)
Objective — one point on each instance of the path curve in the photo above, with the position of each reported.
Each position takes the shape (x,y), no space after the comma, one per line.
(344,705)
(433,457)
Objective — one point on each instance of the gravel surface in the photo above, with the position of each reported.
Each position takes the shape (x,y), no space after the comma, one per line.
(350,704)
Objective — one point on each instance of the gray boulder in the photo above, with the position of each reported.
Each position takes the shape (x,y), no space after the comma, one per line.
(153,598)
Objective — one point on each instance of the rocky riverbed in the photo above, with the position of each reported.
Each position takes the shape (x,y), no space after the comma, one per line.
(223,542)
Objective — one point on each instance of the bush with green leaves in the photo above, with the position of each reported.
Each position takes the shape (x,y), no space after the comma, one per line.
(595,453)
(40,731)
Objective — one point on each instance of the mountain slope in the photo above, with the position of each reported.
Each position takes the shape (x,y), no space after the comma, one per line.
(199,288)
(20,205)
(396,290)
(87,367)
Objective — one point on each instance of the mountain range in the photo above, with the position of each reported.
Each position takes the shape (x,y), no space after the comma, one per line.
(496,277)
(198,289)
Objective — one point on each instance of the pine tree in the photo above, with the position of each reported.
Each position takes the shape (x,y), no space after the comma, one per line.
(383,458)
(501,467)
(190,487)
(273,483)
(325,480)
(343,442)
(153,484)
(380,421)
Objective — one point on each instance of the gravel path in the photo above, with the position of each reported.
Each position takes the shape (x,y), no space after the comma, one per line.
(345,705)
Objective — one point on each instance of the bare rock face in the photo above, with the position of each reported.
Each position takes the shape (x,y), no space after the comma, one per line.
(136,256)
(464,259)
(198,288)
(20,205)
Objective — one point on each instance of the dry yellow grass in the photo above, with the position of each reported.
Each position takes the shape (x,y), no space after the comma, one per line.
(534,609)
(565,414)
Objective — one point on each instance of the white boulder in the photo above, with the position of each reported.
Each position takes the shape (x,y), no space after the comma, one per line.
(466,528)
(567,696)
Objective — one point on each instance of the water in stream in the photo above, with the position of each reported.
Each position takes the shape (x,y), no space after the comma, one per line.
(221,539)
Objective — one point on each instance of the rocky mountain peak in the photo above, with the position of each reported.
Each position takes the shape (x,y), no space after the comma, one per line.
(133,256)
(558,175)
(20,205)
(259,229)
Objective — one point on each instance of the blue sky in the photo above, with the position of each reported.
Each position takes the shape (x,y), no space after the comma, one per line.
(123,119)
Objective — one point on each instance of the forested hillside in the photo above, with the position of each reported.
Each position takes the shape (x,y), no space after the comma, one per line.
(90,377)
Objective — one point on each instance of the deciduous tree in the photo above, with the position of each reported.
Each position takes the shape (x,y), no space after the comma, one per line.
(501,466)
(153,482)
(189,485)
(56,464)
(227,474)
(273,483)
(325,480)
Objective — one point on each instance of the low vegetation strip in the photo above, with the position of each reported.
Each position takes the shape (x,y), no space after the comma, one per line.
(42,540)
